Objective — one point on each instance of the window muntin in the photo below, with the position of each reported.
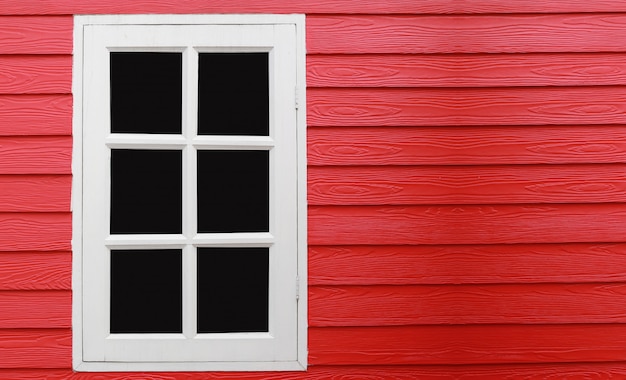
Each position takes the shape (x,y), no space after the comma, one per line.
(275,334)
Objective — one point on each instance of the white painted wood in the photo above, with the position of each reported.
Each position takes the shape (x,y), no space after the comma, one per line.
(284,346)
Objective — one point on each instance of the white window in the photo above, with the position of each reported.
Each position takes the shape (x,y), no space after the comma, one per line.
(189,193)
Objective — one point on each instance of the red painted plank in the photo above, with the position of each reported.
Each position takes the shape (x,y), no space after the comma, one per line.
(487,224)
(470,344)
(405,185)
(307,6)
(36,114)
(199,6)
(562,371)
(466,145)
(35,309)
(26,74)
(35,193)
(36,348)
(555,33)
(385,305)
(458,264)
(35,154)
(35,231)
(454,107)
(36,271)
(457,70)
(35,34)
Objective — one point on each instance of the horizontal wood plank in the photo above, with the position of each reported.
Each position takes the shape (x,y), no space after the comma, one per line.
(469,344)
(21,155)
(35,231)
(36,271)
(475,70)
(403,185)
(485,224)
(41,74)
(454,107)
(554,33)
(35,193)
(35,309)
(562,371)
(35,114)
(36,348)
(386,305)
(467,264)
(232,6)
(466,145)
(35,34)
(307,6)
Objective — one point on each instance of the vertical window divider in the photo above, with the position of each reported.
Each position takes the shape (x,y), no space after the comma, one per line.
(189,130)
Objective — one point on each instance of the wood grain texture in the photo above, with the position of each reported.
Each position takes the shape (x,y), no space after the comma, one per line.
(560,371)
(23,155)
(554,33)
(29,74)
(566,371)
(385,305)
(43,309)
(230,6)
(35,114)
(63,7)
(470,344)
(459,70)
(454,107)
(35,193)
(466,145)
(36,271)
(35,34)
(35,231)
(467,264)
(35,348)
(403,185)
(485,224)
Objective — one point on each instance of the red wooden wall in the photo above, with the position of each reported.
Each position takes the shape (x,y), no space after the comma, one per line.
(467,187)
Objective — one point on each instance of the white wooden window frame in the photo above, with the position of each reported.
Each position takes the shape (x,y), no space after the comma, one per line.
(284,347)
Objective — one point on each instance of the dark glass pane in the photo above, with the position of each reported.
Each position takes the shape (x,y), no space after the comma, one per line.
(146,291)
(233,94)
(233,290)
(146,191)
(233,191)
(146,92)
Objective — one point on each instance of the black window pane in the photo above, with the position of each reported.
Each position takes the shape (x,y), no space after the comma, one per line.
(146,191)
(146,92)
(233,290)
(233,94)
(233,191)
(146,291)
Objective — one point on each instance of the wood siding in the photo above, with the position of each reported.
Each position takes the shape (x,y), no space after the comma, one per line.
(467,187)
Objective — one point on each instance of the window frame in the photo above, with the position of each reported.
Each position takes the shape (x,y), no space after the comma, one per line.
(297,360)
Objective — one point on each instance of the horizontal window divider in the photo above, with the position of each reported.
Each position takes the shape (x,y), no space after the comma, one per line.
(145,141)
(233,142)
(245,239)
(146,241)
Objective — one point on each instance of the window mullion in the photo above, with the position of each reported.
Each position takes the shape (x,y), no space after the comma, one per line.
(190,117)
